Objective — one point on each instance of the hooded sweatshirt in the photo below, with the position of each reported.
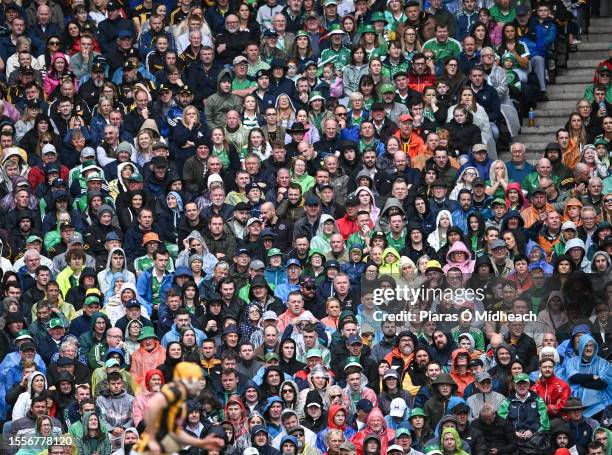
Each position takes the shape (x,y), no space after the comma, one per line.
(219,103)
(462,380)
(209,260)
(390,268)
(321,240)
(105,276)
(466,267)
(436,239)
(22,405)
(385,435)
(140,401)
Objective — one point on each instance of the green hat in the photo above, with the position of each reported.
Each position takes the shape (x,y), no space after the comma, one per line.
(601,141)
(499,201)
(302,33)
(24,334)
(335,28)
(314,353)
(387,88)
(352,362)
(33,238)
(417,412)
(95,177)
(378,16)
(274,252)
(521,377)
(91,299)
(509,55)
(402,432)
(147,332)
(316,96)
(367,28)
(270,356)
(56,322)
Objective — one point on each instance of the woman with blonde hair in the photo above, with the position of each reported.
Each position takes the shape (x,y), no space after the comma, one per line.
(498,179)
(285,110)
(590,158)
(185,134)
(411,44)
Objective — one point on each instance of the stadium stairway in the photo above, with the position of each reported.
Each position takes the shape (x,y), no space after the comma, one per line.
(568,88)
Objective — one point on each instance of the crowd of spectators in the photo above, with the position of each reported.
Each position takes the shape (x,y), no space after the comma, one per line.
(235,184)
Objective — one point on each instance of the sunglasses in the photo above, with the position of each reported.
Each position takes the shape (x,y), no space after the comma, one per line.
(54,43)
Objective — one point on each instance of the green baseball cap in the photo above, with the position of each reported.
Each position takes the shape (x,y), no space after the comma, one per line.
(521,377)
(274,252)
(316,96)
(33,238)
(417,412)
(56,322)
(335,29)
(387,88)
(91,299)
(367,28)
(378,16)
(271,356)
(499,201)
(302,33)
(601,141)
(314,353)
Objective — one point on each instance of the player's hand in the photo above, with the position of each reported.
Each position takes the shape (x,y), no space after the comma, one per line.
(211,442)
(154,447)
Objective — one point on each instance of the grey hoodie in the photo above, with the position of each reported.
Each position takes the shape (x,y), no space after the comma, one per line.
(208,259)
(105,276)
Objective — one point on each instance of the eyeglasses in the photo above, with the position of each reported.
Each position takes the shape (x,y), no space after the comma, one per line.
(54,43)
(341,113)
(288,391)
(45,142)
(335,396)
(429,58)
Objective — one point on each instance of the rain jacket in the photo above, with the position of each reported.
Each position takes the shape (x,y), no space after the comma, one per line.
(595,394)
(464,380)
(385,436)
(542,263)
(585,264)
(392,268)
(321,241)
(143,361)
(209,260)
(87,445)
(397,360)
(140,401)
(466,267)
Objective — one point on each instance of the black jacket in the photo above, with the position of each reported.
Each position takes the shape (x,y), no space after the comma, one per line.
(497,435)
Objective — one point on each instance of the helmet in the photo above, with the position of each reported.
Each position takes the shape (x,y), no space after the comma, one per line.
(187,371)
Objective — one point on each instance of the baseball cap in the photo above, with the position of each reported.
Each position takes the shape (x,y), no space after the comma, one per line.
(538,191)
(293,261)
(252,220)
(395,447)
(268,33)
(113,5)
(75,238)
(397,408)
(354,339)
(311,199)
(33,238)
(239,59)
(406,118)
(49,148)
(402,432)
(364,405)
(347,445)
(135,178)
(112,363)
(269,316)
(498,201)
(27,346)
(521,377)
(498,243)
(389,88)
(112,236)
(483,376)
(122,33)
(132,303)
(271,356)
(314,353)
(56,322)
(240,251)
(274,252)
(553,146)
(257,265)
(569,225)
(479,148)
(522,10)
(478,182)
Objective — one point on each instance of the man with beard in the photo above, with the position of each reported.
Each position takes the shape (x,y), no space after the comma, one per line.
(90,91)
(382,182)
(281,228)
(386,344)
(553,153)
(442,348)
(553,390)
(418,368)
(401,356)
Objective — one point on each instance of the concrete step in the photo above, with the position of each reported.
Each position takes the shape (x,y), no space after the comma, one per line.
(554,105)
(537,147)
(599,21)
(599,27)
(555,121)
(570,92)
(587,63)
(586,54)
(540,128)
(570,78)
(592,46)
(557,112)
(537,138)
